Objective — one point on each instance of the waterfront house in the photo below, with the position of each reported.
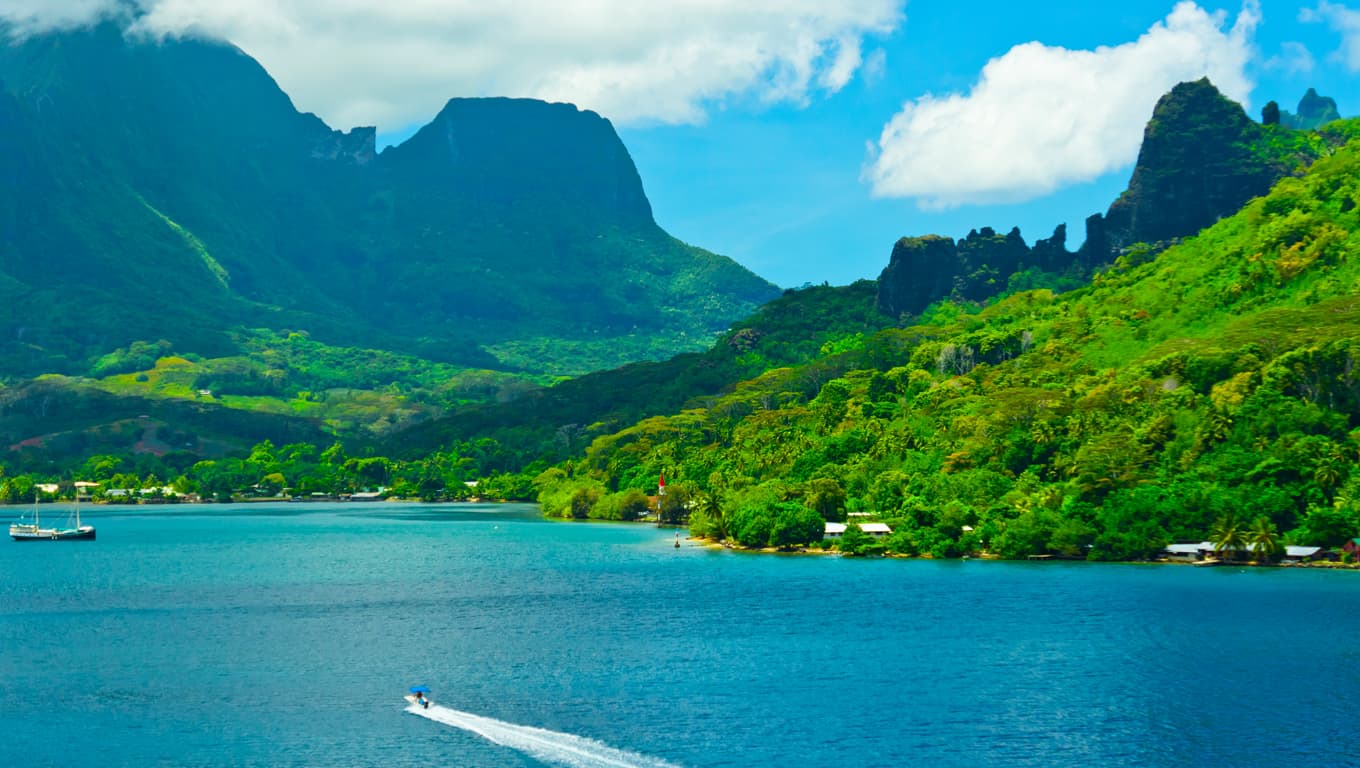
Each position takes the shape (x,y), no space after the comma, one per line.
(837,530)
(1296,554)
(1187,553)
(1352,546)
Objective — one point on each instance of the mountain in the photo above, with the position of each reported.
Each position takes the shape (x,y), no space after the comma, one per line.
(1201,159)
(171,191)
(1209,389)
(1196,164)
(1314,111)
(923,270)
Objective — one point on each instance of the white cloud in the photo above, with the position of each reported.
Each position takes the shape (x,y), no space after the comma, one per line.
(1042,117)
(1293,59)
(31,16)
(395,62)
(1343,20)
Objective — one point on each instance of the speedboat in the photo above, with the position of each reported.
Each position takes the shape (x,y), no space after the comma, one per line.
(419,696)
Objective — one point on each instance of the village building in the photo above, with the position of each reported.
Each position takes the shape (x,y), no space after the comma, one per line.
(837,530)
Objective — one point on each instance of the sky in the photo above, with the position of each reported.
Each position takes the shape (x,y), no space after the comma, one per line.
(800,137)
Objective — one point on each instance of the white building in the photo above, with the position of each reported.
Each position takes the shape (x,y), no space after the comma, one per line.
(876,530)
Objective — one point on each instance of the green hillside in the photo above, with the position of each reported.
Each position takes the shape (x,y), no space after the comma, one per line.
(170,191)
(1212,390)
(550,424)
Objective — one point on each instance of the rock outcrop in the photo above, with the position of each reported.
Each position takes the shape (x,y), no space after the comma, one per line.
(924,270)
(1314,111)
(1197,164)
(358,147)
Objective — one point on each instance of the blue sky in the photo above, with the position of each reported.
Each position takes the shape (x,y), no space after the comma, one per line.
(781,189)
(799,137)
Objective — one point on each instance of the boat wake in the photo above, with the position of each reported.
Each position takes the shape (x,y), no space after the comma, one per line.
(541,744)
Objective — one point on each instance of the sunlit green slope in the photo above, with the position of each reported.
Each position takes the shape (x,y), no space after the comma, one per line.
(1216,387)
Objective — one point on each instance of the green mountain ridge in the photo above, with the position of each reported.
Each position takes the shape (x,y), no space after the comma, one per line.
(1201,159)
(172,191)
(1208,391)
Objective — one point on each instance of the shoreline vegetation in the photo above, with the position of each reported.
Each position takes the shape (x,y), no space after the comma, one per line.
(709,543)
(1330,560)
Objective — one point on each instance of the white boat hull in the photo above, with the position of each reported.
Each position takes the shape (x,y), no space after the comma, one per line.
(34,533)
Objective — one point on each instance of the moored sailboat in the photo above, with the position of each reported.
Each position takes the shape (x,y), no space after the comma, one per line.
(34,531)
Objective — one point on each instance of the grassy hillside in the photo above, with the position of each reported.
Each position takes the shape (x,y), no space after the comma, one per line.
(1211,390)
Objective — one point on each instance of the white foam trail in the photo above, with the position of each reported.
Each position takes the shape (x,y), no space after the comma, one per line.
(539,743)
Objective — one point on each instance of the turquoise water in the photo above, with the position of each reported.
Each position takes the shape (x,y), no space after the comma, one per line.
(285,635)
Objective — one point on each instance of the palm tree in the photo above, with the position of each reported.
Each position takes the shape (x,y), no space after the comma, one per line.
(1227,536)
(1328,475)
(711,505)
(1264,539)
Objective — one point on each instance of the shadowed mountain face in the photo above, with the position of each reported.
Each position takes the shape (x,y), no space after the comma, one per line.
(1201,159)
(171,190)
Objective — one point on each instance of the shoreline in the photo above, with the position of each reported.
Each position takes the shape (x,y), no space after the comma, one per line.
(707,543)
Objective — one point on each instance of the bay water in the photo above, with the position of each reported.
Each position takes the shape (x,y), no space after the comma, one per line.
(286,635)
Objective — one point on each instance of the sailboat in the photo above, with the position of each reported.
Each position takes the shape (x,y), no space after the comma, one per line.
(22,531)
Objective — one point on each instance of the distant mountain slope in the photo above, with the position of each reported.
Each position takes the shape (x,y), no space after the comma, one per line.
(171,191)
(1314,111)
(555,422)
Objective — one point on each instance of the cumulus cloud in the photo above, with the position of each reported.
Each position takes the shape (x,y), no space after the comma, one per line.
(1042,117)
(395,62)
(1343,20)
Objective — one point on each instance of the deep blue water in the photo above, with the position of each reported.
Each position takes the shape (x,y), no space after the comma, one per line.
(285,635)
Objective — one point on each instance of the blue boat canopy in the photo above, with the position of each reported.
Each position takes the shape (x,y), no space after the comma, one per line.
(419,689)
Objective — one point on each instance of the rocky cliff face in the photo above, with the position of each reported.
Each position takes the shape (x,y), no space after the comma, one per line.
(924,270)
(1197,164)
(921,270)
(358,146)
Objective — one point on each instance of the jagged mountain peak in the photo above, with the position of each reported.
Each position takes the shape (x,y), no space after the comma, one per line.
(1197,163)
(504,149)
